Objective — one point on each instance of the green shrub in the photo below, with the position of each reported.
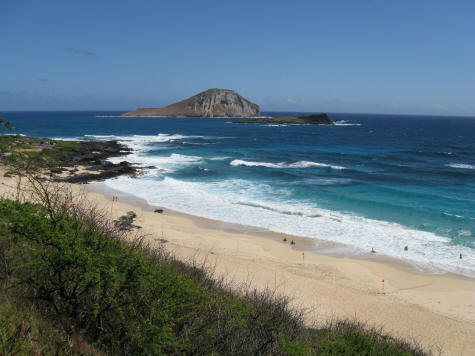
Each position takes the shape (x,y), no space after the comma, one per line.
(118,297)
(94,285)
(4,147)
(290,348)
(353,338)
(130,300)
(24,332)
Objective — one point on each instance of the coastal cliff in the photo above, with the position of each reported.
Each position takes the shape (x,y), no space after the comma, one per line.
(212,102)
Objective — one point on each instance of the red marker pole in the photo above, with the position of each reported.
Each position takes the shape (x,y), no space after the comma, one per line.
(382,283)
(303,257)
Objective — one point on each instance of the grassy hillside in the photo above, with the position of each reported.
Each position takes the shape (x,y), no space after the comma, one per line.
(66,268)
(23,331)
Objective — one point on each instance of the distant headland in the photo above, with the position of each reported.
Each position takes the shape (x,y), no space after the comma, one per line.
(210,103)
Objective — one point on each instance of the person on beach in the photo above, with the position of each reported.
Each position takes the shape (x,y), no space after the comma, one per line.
(292,242)
(460,256)
(406,248)
(372,250)
(285,239)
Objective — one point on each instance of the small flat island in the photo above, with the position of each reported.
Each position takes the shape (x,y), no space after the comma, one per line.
(315,119)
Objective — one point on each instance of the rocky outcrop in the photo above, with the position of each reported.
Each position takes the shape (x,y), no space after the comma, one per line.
(92,155)
(125,222)
(103,171)
(316,119)
(212,102)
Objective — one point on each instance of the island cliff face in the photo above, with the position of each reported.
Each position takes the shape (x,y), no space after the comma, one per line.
(212,102)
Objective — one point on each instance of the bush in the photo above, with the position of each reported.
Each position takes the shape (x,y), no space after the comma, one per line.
(117,297)
(128,299)
(354,338)
(24,332)
(94,285)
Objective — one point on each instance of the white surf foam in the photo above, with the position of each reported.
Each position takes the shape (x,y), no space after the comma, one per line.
(136,142)
(300,164)
(344,123)
(244,202)
(162,163)
(460,166)
(149,138)
(141,144)
(260,205)
(68,138)
(219,158)
(144,143)
(101,137)
(465,233)
(454,215)
(306,164)
(238,162)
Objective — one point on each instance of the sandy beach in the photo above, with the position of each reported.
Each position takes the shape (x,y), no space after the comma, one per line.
(436,311)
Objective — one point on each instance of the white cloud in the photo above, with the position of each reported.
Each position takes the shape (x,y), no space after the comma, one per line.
(440,107)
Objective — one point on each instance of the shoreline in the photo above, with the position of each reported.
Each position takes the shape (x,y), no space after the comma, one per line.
(326,287)
(329,287)
(303,243)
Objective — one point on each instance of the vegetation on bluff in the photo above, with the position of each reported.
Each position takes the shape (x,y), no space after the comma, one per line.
(6,124)
(60,159)
(69,266)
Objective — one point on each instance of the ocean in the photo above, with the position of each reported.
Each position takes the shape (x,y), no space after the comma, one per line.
(371,181)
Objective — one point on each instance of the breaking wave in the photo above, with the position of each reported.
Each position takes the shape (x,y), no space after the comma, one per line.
(461,165)
(247,203)
(300,164)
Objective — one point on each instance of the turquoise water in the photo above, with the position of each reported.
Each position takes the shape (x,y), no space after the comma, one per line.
(371,181)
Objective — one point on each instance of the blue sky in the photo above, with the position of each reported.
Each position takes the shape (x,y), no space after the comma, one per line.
(375,56)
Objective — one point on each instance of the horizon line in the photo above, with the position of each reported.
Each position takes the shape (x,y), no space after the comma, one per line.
(271,111)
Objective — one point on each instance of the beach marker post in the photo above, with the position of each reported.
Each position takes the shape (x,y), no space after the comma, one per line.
(382,285)
(303,257)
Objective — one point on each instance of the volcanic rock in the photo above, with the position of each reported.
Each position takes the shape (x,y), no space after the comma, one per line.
(212,102)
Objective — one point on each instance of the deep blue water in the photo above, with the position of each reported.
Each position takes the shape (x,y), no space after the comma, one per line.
(377,181)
